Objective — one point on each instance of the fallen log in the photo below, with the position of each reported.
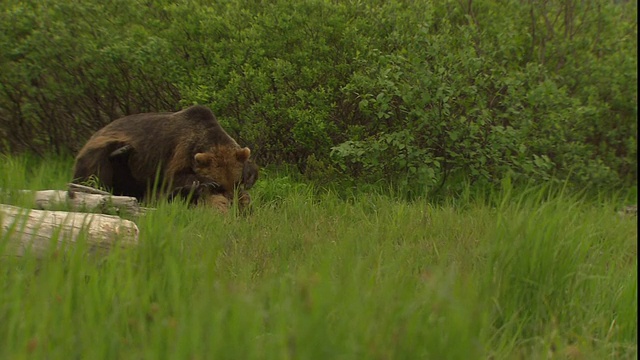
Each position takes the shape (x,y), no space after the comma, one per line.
(86,189)
(80,201)
(31,231)
(92,200)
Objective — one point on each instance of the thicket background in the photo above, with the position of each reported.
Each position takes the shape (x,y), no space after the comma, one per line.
(416,93)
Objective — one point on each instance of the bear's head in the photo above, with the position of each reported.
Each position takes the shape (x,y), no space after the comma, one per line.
(224,166)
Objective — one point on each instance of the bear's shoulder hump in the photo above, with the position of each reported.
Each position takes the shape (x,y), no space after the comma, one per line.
(197,113)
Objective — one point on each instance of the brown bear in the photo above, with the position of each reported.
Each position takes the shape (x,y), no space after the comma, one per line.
(179,152)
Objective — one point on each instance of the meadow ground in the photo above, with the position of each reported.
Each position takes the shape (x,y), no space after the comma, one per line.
(528,274)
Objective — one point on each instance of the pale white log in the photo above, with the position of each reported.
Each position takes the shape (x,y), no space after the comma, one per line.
(83,201)
(26,230)
(86,189)
(79,201)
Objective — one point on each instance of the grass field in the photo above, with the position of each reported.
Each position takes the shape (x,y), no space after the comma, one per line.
(528,274)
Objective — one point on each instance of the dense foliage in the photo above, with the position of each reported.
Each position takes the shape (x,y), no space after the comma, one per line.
(412,92)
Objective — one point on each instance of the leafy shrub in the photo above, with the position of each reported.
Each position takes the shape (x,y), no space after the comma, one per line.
(411,92)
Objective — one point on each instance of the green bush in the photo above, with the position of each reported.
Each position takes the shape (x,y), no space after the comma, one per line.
(409,92)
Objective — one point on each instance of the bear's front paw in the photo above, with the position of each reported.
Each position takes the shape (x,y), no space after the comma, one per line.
(210,188)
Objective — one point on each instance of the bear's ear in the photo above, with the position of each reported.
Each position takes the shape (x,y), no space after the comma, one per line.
(243,154)
(202,159)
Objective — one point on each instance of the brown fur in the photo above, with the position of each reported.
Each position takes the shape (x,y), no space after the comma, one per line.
(212,196)
(218,202)
(183,148)
(249,174)
(223,165)
(222,202)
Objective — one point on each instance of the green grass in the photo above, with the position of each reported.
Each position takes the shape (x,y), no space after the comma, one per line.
(517,274)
